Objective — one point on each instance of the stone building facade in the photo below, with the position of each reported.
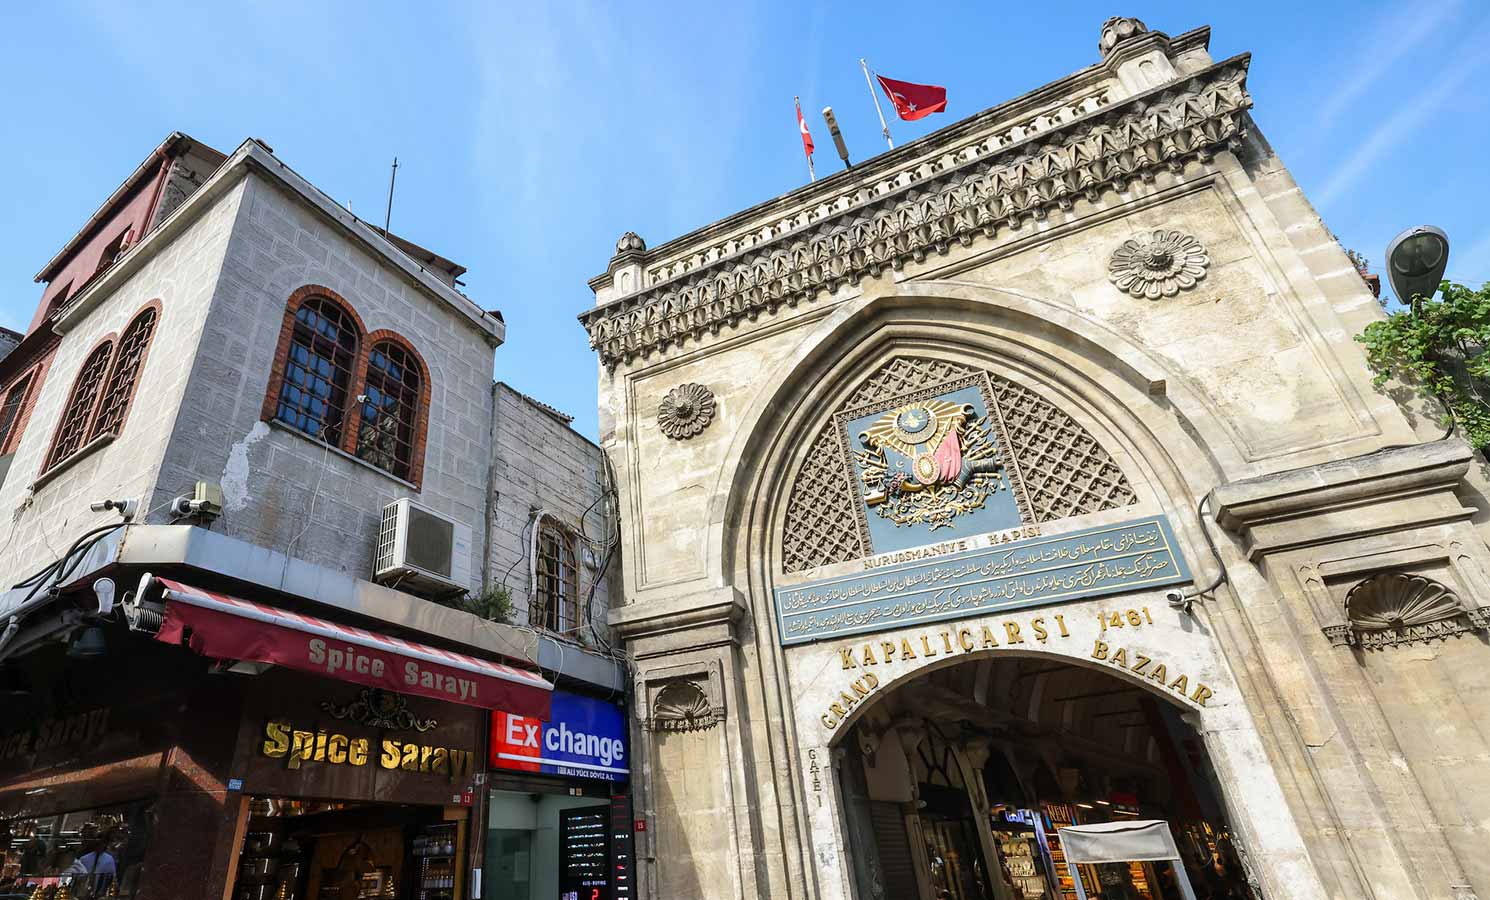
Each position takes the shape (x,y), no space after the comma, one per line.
(874,437)
(226,408)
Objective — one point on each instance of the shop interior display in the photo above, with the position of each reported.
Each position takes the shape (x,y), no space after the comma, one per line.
(47,857)
(303,849)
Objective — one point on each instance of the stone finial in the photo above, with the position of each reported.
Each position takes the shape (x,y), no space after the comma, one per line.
(629,242)
(1118,29)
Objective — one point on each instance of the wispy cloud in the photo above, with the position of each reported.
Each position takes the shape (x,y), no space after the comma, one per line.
(1469,56)
(1395,37)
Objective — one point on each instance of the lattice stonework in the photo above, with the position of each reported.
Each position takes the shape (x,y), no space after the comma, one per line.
(1064,470)
(820,523)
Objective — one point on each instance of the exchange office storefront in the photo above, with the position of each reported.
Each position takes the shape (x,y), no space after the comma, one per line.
(559,817)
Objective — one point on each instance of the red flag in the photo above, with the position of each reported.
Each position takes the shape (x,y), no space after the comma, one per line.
(914,101)
(806,135)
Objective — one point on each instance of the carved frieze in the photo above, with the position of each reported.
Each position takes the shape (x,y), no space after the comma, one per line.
(973,193)
(686,411)
(1158,264)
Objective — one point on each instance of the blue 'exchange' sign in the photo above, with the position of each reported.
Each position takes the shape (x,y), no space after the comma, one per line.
(1032,572)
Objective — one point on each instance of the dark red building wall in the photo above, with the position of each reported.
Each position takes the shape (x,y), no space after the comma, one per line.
(132,212)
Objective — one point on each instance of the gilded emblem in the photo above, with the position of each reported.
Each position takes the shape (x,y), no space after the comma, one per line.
(377,708)
(928,462)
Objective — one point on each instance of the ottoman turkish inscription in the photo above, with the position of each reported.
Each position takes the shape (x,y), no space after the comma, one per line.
(1141,553)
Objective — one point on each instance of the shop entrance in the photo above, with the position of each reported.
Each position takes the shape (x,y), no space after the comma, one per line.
(956,782)
(297,848)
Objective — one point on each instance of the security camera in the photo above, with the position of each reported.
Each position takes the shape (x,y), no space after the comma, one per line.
(1177,600)
(103,589)
(126,508)
(205,502)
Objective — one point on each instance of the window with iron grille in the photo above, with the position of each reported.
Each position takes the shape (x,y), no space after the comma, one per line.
(80,405)
(389,423)
(313,394)
(555,603)
(10,412)
(124,374)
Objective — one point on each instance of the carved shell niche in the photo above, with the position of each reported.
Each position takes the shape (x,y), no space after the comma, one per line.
(682,706)
(1397,608)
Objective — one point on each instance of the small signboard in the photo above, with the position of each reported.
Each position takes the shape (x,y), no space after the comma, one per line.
(582,737)
(1031,572)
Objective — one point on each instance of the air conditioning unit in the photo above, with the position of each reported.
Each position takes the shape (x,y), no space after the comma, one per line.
(420,550)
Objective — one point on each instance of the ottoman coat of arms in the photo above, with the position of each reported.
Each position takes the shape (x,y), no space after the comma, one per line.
(926,462)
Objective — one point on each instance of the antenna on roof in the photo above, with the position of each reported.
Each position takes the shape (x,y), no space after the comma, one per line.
(392,177)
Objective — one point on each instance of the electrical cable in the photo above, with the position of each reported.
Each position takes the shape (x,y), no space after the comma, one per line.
(1216,555)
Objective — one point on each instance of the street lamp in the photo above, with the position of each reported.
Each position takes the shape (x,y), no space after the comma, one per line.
(1416,260)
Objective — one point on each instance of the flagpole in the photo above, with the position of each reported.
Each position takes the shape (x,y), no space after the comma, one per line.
(874,95)
(811,172)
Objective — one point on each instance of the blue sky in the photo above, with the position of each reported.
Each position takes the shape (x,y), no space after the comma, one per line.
(531,136)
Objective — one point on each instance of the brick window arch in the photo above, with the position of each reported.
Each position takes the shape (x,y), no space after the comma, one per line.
(81,403)
(318,371)
(124,374)
(391,421)
(326,359)
(555,603)
(11,410)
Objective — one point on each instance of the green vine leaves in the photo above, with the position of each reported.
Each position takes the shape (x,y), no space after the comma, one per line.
(1443,346)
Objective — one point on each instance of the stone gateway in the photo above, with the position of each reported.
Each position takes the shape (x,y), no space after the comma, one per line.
(1027,476)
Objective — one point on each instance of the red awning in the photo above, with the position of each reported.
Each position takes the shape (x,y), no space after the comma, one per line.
(225,627)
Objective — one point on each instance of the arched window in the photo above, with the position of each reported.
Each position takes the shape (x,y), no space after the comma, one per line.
(80,405)
(318,370)
(10,412)
(366,394)
(389,425)
(124,374)
(555,603)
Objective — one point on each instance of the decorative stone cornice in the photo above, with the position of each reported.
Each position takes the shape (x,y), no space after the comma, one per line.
(1410,486)
(999,182)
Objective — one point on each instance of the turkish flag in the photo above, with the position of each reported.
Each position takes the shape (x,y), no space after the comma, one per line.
(914,101)
(806,135)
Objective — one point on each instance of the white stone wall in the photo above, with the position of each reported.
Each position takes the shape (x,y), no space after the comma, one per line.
(283,490)
(40,525)
(540,463)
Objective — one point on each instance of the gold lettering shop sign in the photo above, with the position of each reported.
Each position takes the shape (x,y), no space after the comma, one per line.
(876,655)
(297,747)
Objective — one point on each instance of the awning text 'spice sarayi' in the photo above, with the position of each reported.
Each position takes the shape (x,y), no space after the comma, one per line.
(225,627)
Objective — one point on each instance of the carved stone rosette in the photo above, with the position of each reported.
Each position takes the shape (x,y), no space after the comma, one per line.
(1160,264)
(686,411)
